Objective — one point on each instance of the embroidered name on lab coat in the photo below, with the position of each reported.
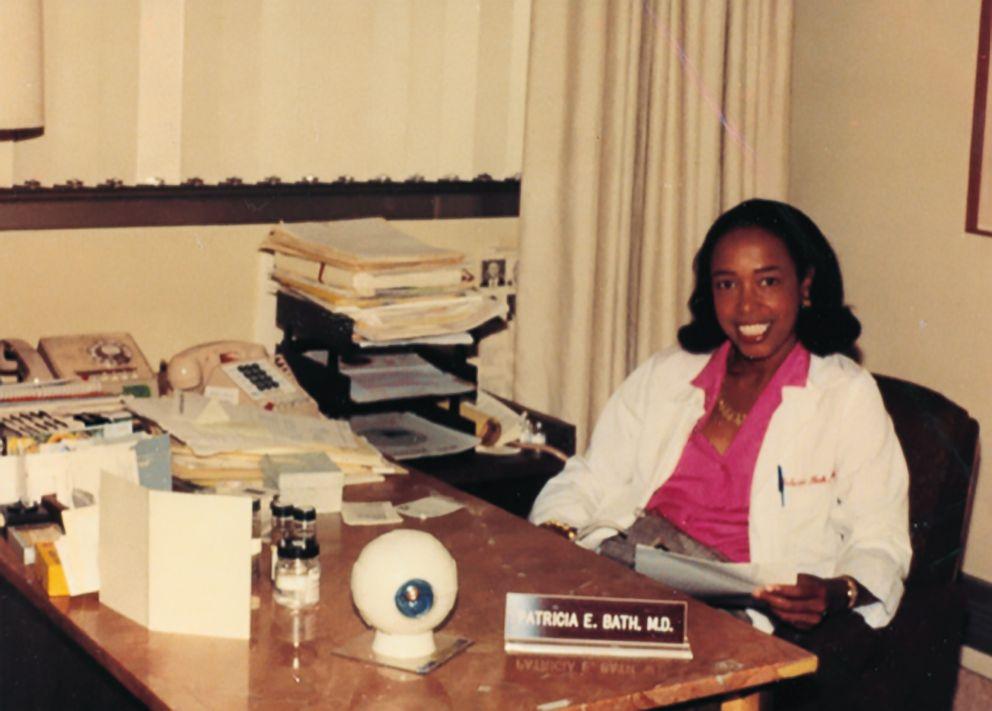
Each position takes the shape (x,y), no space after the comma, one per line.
(811,480)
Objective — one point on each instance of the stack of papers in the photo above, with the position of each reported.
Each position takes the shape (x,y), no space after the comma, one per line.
(227,441)
(393,376)
(305,479)
(359,245)
(394,287)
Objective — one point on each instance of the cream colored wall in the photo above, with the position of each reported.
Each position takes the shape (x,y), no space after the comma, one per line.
(882,101)
(172,287)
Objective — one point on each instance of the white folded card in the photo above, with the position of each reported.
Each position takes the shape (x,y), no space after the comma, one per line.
(176,562)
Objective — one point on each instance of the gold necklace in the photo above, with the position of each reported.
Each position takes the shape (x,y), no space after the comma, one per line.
(728,413)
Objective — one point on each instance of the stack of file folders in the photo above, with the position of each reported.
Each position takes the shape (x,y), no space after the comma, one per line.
(394,287)
(218,441)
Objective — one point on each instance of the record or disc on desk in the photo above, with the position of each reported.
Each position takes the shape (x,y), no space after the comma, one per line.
(404,435)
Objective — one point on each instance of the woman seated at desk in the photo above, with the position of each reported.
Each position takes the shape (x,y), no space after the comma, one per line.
(757,438)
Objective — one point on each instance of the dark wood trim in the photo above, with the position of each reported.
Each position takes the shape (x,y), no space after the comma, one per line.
(978,122)
(72,206)
(978,631)
(21,134)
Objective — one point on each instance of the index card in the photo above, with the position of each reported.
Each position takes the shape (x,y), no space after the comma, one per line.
(369,513)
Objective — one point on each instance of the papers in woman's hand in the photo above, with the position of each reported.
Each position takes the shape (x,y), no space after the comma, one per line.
(707,579)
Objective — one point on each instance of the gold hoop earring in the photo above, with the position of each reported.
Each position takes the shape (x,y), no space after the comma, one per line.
(806,302)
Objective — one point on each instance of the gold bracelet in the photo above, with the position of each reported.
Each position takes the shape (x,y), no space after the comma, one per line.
(562,529)
(852,591)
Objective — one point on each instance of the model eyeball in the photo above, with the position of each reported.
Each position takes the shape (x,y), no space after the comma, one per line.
(404,583)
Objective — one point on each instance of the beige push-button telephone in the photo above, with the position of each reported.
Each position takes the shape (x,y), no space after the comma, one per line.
(240,372)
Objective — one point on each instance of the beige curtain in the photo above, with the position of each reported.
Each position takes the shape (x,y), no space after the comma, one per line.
(644,120)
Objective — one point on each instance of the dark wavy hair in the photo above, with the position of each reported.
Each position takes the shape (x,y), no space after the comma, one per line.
(826,326)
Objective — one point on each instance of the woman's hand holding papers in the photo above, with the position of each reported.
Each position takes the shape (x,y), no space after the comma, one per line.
(805,604)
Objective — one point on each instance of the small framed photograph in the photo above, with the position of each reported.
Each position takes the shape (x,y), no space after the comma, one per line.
(493,273)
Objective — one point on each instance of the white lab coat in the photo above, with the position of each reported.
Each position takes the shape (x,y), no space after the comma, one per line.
(846,509)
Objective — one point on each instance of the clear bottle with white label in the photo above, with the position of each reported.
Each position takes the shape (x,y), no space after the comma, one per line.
(297,583)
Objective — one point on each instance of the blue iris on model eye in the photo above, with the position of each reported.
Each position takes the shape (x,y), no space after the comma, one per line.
(414,597)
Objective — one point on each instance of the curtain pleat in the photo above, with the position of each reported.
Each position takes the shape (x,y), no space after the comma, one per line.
(644,121)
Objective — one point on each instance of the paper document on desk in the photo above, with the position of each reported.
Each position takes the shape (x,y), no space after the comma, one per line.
(430,507)
(369,513)
(80,468)
(210,426)
(404,435)
(708,579)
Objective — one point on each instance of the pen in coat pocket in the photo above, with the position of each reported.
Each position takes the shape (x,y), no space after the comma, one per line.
(781,485)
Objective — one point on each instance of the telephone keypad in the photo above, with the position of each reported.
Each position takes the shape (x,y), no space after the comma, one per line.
(262,380)
(257,376)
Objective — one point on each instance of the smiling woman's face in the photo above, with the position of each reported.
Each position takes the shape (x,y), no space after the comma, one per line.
(757,293)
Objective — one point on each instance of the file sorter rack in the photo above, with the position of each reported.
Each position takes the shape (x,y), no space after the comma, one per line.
(510,482)
(306,327)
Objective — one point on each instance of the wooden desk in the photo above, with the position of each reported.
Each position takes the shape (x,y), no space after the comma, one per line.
(496,553)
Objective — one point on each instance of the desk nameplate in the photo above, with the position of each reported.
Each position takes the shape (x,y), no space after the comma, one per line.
(595,626)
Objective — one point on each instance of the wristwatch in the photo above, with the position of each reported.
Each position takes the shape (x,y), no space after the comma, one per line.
(852,591)
(562,529)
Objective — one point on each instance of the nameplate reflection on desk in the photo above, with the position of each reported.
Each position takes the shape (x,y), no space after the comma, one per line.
(527,668)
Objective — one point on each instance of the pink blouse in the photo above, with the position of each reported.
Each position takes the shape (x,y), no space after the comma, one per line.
(708,495)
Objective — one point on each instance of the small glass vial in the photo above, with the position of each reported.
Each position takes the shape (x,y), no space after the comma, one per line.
(282,530)
(297,584)
(305,525)
(256,538)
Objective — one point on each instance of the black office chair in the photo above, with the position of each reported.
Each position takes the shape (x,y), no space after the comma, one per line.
(913,662)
